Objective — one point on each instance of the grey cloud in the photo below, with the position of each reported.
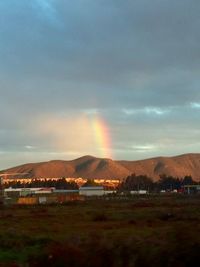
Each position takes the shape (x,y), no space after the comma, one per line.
(68,57)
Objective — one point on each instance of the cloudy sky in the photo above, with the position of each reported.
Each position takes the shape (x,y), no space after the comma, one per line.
(109,78)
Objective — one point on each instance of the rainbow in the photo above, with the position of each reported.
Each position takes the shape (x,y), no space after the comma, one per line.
(86,133)
(102,137)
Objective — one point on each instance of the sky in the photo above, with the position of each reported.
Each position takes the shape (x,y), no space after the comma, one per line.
(108,78)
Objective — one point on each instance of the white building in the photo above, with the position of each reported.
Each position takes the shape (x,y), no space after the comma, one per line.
(91,191)
(28,191)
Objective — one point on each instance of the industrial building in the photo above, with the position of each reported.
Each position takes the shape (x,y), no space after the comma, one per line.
(91,190)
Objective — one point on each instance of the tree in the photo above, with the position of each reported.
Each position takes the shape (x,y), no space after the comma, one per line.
(187,180)
(90,182)
(168,183)
(133,182)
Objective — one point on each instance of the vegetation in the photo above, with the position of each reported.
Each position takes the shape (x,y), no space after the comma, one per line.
(35,183)
(131,183)
(90,182)
(167,183)
(137,232)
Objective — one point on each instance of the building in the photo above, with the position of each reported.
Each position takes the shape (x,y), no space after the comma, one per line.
(10,192)
(191,189)
(91,190)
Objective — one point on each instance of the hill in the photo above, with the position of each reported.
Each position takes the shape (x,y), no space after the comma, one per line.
(92,167)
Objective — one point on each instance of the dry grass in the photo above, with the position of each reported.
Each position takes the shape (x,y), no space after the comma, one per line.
(152,231)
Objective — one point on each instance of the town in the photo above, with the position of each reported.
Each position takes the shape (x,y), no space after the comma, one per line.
(28,191)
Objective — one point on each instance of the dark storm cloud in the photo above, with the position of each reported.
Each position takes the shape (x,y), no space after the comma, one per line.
(136,62)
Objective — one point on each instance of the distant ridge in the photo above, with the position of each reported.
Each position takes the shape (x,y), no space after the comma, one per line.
(92,167)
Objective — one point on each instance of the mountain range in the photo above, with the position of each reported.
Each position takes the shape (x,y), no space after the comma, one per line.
(103,168)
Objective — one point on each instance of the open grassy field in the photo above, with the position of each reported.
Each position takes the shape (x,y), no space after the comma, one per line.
(142,231)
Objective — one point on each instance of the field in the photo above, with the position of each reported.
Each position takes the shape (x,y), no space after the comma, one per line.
(136,232)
